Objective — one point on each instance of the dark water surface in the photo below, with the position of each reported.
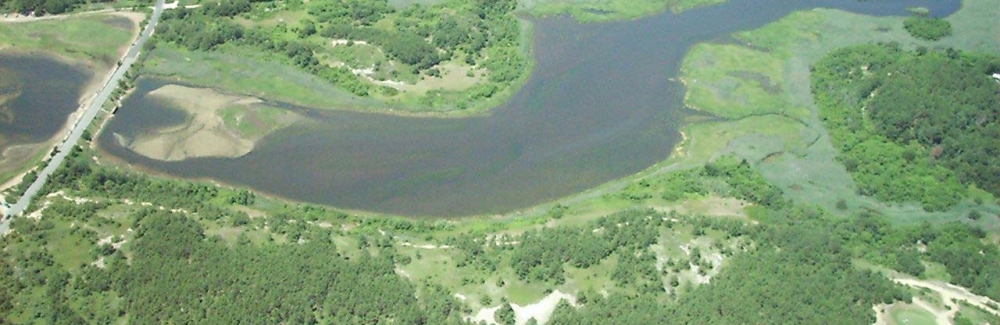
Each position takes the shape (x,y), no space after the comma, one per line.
(47,92)
(598,106)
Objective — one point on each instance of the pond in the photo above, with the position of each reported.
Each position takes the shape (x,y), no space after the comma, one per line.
(37,94)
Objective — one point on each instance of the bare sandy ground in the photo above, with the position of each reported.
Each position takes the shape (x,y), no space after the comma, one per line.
(203,135)
(950,295)
(453,75)
(540,311)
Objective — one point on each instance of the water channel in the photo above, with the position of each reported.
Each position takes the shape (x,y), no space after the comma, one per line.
(599,105)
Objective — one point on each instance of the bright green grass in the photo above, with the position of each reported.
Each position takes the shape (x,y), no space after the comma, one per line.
(242,73)
(84,37)
(69,250)
(911,315)
(733,81)
(976,315)
(254,121)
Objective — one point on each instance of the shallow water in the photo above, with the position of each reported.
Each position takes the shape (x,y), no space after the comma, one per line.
(599,105)
(47,92)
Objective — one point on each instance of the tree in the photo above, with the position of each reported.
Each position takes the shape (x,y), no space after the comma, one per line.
(505,315)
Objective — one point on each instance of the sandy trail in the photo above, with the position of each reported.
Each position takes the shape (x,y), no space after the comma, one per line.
(950,295)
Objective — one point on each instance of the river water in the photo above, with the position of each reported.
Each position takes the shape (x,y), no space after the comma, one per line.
(599,105)
(37,94)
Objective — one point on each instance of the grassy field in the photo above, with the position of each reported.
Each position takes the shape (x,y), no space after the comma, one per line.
(255,121)
(911,315)
(246,75)
(87,37)
(764,74)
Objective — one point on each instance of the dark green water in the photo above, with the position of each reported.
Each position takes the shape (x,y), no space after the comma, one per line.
(47,91)
(598,106)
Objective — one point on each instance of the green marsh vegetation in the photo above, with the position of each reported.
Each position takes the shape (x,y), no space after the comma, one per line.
(375,52)
(927,28)
(87,37)
(772,120)
(912,126)
(98,253)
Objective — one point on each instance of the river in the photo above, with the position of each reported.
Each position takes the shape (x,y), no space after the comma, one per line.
(599,105)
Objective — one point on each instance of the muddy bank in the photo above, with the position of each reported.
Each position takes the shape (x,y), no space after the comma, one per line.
(203,133)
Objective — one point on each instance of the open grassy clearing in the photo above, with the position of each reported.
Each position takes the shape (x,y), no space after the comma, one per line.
(911,315)
(975,315)
(245,75)
(88,37)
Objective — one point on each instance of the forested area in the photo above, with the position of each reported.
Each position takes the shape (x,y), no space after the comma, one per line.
(481,32)
(173,273)
(913,125)
(797,276)
(781,270)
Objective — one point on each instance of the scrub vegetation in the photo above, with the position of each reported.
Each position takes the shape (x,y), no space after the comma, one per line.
(795,242)
(927,28)
(912,126)
(760,83)
(367,48)
(115,246)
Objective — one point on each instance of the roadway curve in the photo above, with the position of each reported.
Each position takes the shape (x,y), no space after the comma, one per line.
(85,119)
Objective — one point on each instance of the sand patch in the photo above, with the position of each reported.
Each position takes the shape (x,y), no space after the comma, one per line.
(540,311)
(203,135)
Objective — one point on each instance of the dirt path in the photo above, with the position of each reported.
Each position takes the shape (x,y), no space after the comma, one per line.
(950,294)
(940,316)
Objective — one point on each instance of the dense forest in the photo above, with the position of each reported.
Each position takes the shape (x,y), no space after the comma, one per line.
(913,125)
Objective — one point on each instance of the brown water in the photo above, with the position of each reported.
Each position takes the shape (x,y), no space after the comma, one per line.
(598,106)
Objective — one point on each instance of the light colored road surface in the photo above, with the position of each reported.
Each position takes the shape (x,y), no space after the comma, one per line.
(16,209)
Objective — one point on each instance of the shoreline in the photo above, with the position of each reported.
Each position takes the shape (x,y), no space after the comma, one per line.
(87,92)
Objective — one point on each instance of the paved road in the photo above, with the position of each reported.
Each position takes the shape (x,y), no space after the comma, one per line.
(81,124)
